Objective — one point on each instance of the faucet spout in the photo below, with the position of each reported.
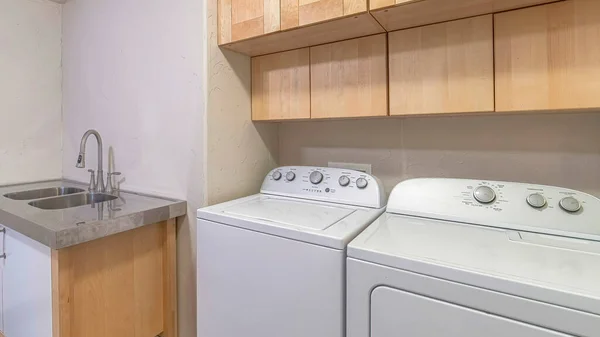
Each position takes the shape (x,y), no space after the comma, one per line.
(81,157)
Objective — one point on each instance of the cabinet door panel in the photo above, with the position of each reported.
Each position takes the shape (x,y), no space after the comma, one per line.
(242,19)
(443,68)
(280,86)
(548,57)
(297,13)
(27,287)
(349,78)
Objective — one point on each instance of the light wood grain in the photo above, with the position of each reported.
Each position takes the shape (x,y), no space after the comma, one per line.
(548,57)
(224,21)
(412,13)
(349,78)
(298,13)
(442,68)
(320,33)
(243,19)
(115,286)
(170,279)
(281,86)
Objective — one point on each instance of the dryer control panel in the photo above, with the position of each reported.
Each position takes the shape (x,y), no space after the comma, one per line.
(326,184)
(529,207)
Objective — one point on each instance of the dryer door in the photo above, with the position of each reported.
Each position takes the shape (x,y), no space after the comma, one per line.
(397,313)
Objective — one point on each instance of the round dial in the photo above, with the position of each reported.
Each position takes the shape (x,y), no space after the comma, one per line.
(536,200)
(361,183)
(344,181)
(316,177)
(484,194)
(290,176)
(276,175)
(570,204)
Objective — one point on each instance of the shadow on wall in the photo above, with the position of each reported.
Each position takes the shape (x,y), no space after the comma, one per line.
(553,149)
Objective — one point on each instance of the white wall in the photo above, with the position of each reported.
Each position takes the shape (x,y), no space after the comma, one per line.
(133,70)
(553,149)
(30,90)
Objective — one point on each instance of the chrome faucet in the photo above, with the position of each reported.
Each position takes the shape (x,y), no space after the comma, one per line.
(99,184)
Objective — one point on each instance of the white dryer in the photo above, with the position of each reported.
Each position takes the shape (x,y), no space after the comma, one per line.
(469,258)
(273,264)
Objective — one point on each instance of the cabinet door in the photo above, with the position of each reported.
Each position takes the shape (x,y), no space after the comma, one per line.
(280,86)
(2,238)
(443,68)
(243,19)
(27,287)
(297,13)
(548,57)
(349,78)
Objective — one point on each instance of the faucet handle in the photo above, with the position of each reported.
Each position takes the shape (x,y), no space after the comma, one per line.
(92,188)
(110,188)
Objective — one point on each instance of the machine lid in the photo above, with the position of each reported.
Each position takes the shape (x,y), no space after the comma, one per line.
(521,263)
(320,223)
(292,213)
(527,207)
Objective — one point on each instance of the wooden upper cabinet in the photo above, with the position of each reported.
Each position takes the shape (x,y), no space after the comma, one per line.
(349,78)
(281,86)
(243,19)
(442,68)
(297,13)
(548,57)
(400,14)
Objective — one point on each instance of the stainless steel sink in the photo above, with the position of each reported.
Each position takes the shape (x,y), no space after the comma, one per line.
(43,193)
(72,201)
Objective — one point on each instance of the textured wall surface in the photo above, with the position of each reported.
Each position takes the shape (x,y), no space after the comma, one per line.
(30,90)
(551,149)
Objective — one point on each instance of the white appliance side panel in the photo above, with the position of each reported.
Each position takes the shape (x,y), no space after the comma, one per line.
(257,285)
(363,277)
(27,287)
(394,311)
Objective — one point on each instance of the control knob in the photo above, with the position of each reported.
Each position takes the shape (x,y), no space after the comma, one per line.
(484,194)
(570,204)
(276,175)
(536,200)
(344,181)
(316,177)
(361,183)
(290,176)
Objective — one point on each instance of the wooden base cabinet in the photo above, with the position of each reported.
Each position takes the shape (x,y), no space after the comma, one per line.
(442,68)
(548,57)
(120,285)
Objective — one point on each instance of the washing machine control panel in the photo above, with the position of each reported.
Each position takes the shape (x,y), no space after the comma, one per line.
(537,208)
(326,184)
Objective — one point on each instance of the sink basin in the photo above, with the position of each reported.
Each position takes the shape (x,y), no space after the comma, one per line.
(43,193)
(72,201)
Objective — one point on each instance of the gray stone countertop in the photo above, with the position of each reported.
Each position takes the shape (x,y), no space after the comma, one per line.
(71,226)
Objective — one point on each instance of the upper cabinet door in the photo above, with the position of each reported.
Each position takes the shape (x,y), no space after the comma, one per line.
(297,13)
(281,86)
(349,78)
(548,57)
(243,19)
(443,68)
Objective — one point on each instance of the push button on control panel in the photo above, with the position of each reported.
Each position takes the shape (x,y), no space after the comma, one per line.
(536,200)
(484,194)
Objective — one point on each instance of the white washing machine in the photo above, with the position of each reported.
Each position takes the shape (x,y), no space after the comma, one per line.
(273,264)
(469,258)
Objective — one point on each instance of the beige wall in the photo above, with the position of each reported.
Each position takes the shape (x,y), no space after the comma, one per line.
(30,91)
(553,149)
